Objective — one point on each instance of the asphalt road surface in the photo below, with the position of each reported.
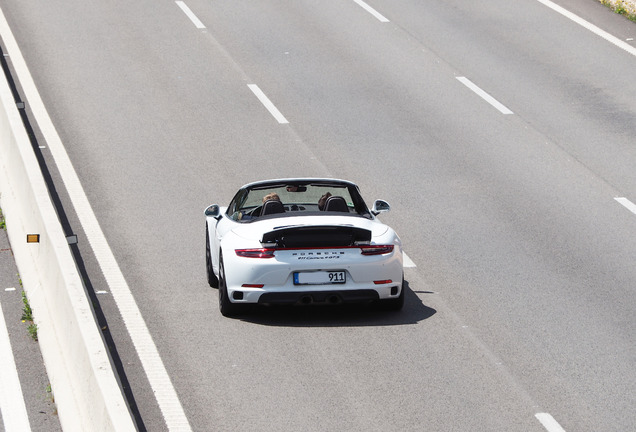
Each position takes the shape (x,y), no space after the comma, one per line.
(501,132)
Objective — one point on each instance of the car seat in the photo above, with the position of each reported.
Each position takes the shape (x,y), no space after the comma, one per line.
(337,204)
(272,207)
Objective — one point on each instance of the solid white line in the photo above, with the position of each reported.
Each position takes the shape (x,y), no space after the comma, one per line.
(408,262)
(12,406)
(190,14)
(267,103)
(591,27)
(549,422)
(627,204)
(485,96)
(162,387)
(372,11)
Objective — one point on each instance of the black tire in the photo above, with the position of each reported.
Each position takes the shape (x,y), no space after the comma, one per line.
(227,308)
(212,279)
(394,304)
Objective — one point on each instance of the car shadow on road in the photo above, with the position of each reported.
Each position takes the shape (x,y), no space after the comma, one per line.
(350,315)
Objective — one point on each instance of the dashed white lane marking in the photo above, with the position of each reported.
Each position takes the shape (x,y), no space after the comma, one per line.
(589,26)
(408,262)
(485,96)
(153,366)
(549,422)
(184,7)
(267,104)
(627,204)
(12,406)
(372,11)
(10,289)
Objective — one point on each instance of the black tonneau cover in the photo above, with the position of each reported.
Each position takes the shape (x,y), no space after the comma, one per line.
(316,236)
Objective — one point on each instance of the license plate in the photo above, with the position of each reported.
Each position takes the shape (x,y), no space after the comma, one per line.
(320,278)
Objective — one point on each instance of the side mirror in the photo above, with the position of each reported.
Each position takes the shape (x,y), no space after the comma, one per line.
(380,206)
(213,211)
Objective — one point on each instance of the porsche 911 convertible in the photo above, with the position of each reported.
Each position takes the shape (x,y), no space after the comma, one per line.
(301,242)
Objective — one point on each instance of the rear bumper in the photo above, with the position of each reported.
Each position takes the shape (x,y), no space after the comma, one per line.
(318,297)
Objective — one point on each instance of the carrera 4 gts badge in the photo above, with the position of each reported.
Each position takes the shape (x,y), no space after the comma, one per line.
(317,255)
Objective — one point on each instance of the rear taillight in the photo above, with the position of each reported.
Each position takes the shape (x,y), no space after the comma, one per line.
(269,252)
(376,249)
(255,253)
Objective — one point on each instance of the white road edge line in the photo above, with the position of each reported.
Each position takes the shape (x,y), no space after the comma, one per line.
(372,11)
(12,406)
(627,204)
(267,104)
(589,26)
(485,96)
(184,7)
(153,366)
(549,422)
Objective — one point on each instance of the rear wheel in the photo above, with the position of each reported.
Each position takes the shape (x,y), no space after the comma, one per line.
(226,307)
(394,304)
(212,279)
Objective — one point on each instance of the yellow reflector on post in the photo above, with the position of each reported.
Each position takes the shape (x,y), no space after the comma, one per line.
(33,238)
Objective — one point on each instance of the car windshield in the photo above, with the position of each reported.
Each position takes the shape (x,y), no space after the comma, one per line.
(296,199)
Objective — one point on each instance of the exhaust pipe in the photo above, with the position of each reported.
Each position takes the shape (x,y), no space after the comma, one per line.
(333,299)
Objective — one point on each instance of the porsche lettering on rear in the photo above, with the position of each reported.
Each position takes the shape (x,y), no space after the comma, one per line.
(317,253)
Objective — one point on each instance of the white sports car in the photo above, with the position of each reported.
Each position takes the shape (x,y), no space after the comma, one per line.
(302,241)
